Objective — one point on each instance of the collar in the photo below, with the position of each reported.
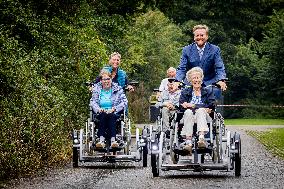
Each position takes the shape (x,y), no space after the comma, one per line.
(198,48)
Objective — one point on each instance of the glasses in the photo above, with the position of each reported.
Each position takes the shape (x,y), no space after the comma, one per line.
(105,79)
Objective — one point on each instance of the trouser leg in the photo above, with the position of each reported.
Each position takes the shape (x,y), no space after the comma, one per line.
(188,119)
(165,118)
(111,124)
(102,124)
(201,119)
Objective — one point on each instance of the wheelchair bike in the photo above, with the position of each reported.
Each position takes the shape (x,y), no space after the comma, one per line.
(85,140)
(223,150)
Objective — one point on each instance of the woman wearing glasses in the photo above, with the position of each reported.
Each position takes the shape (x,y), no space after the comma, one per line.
(197,102)
(108,101)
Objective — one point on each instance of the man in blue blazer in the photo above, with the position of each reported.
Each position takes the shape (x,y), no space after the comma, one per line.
(205,55)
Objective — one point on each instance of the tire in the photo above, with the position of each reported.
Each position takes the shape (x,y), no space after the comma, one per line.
(237,159)
(144,155)
(238,163)
(154,164)
(75,157)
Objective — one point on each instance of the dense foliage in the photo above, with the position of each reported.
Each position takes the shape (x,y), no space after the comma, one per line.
(49,49)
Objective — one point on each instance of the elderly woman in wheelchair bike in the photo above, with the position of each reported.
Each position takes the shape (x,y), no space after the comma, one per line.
(197,102)
(108,102)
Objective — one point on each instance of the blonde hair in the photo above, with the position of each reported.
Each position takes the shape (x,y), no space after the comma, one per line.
(115,54)
(200,27)
(193,71)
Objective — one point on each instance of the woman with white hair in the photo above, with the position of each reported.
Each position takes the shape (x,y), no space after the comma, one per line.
(197,101)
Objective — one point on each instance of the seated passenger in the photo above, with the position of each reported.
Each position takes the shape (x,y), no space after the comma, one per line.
(108,101)
(197,101)
(171,73)
(117,74)
(168,101)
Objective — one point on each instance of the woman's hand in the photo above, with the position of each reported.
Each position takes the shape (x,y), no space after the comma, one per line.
(170,106)
(208,110)
(112,110)
(187,105)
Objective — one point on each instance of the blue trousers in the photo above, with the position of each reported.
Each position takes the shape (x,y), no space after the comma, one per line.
(107,122)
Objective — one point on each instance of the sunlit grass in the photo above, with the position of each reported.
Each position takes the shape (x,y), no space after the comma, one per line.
(254,121)
(272,139)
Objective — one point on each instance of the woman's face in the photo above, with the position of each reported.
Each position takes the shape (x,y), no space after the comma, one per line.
(196,80)
(115,61)
(106,81)
(171,73)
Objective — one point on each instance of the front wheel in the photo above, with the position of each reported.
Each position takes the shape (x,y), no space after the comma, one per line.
(155,164)
(75,157)
(144,155)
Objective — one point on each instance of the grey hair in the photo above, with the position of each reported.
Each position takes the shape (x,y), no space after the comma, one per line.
(171,68)
(104,72)
(193,71)
(201,27)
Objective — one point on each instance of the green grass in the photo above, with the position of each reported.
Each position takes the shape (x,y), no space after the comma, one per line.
(272,139)
(254,121)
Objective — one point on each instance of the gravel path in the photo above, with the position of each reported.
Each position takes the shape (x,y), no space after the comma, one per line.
(259,170)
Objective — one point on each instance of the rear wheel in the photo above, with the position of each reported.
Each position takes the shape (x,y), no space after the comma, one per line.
(238,155)
(75,157)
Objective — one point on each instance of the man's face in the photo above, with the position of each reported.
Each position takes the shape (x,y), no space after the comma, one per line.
(115,61)
(200,37)
(106,81)
(171,73)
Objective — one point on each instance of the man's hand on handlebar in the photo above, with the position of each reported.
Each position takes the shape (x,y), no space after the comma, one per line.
(222,85)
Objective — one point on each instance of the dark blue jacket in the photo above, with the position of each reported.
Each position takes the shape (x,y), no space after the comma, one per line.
(211,63)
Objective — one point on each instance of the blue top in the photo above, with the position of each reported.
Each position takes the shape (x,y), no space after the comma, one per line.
(118,98)
(105,99)
(196,99)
